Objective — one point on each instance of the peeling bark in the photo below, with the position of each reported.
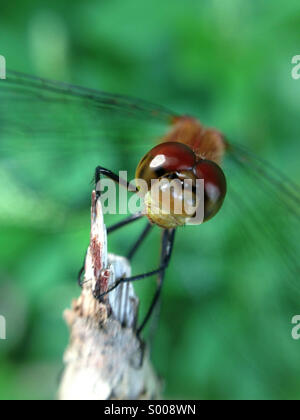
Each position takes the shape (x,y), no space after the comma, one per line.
(105,359)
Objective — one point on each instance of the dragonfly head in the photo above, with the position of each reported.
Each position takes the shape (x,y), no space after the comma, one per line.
(179,188)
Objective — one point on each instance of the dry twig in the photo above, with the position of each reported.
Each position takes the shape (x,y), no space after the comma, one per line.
(105,359)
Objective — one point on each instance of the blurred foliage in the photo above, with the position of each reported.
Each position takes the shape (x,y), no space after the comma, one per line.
(225,324)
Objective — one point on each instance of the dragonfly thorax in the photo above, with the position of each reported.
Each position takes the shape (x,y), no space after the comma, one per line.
(206,143)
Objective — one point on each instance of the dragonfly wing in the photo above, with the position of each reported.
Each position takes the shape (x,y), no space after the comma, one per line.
(44,111)
(126,105)
(268,215)
(53,135)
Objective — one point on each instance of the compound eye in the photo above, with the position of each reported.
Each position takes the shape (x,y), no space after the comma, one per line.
(214,186)
(168,157)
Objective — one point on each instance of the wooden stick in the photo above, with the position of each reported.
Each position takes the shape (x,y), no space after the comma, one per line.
(105,359)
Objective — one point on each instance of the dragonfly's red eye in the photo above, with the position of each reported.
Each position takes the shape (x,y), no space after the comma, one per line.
(214,186)
(165,158)
(170,207)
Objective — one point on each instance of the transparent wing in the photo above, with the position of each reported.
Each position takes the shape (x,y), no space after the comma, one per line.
(267,214)
(246,273)
(36,114)
(53,135)
(39,87)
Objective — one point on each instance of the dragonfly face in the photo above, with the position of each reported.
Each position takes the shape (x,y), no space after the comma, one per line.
(189,151)
(174,161)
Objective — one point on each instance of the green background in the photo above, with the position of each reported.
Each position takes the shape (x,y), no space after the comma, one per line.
(225,324)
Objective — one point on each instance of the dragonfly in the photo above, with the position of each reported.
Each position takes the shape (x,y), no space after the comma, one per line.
(51,121)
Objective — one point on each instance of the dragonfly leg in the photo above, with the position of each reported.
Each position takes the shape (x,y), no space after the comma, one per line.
(80,273)
(155,300)
(125,222)
(139,241)
(100,171)
(167,248)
